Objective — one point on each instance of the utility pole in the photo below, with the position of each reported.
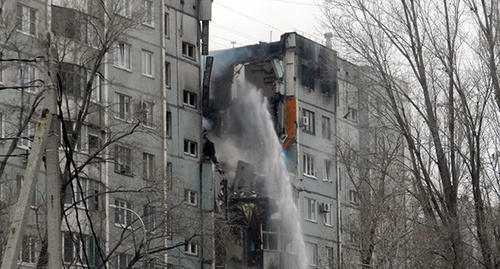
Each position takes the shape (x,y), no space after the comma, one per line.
(53,178)
(25,199)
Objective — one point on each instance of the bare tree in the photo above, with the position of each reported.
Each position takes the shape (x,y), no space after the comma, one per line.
(442,110)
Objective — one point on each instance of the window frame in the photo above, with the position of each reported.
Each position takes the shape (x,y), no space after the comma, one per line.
(124,8)
(27,25)
(122,56)
(166,26)
(310,209)
(191,248)
(146,113)
(147,63)
(188,50)
(309,165)
(312,254)
(123,159)
(123,106)
(28,253)
(191,197)
(325,127)
(123,217)
(148,18)
(310,127)
(190,148)
(148,166)
(167,75)
(190,99)
(168,124)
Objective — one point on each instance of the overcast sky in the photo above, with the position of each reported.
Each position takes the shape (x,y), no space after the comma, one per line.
(247,22)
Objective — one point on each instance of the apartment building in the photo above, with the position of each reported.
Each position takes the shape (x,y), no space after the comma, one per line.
(127,82)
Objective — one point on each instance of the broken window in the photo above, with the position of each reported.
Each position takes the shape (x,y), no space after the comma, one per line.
(307,78)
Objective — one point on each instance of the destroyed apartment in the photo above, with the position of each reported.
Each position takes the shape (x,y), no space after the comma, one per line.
(165,155)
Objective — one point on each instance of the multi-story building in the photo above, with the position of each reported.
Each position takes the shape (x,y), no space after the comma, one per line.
(322,112)
(127,82)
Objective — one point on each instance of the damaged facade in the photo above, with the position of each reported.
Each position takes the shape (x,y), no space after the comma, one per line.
(317,107)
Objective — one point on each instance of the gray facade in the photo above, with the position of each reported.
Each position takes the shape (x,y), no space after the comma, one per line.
(128,77)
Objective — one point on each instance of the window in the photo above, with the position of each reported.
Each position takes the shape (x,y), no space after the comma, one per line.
(26,19)
(86,189)
(147,63)
(1,68)
(122,260)
(309,169)
(27,136)
(149,217)
(148,166)
(352,114)
(312,254)
(26,76)
(271,236)
(330,257)
(123,159)
(353,196)
(166,21)
(2,135)
(169,176)
(94,143)
(189,99)
(190,148)
(148,12)
(326,175)
(123,217)
(168,124)
(123,8)
(327,212)
(325,127)
(145,113)
(167,74)
(81,248)
(307,77)
(308,121)
(191,248)
(122,55)
(96,87)
(28,250)
(188,50)
(310,209)
(122,106)
(191,197)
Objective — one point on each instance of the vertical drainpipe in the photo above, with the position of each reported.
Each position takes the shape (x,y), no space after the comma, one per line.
(337,180)
(164,134)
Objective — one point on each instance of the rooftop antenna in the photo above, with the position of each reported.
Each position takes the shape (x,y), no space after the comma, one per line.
(270,36)
(233,42)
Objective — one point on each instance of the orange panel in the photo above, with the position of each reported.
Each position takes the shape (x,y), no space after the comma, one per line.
(291,114)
